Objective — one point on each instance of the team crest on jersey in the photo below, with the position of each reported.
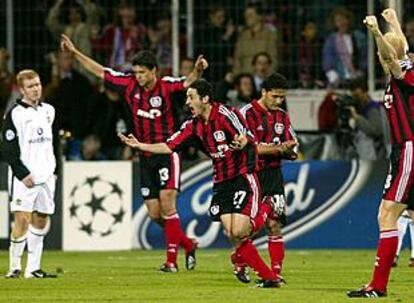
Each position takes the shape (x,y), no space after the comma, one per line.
(279,128)
(219,136)
(155,101)
(10,135)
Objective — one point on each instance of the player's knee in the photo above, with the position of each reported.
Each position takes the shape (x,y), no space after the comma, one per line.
(21,222)
(274,228)
(167,202)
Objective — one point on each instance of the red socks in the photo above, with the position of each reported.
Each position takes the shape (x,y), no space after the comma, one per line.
(250,255)
(175,236)
(387,248)
(261,217)
(276,247)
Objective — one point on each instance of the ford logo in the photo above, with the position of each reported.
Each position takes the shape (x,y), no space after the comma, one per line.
(315,191)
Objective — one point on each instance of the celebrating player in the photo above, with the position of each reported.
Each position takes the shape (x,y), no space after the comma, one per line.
(276,140)
(30,148)
(149,100)
(224,136)
(397,194)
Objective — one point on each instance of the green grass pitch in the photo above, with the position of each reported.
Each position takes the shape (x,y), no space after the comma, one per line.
(312,276)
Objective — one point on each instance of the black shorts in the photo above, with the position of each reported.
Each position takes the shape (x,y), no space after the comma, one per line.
(239,195)
(271,181)
(159,172)
(273,191)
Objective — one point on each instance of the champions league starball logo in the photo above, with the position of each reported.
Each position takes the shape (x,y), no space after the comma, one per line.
(97,206)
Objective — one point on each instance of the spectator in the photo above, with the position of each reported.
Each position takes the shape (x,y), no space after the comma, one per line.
(262,68)
(110,118)
(409,34)
(186,66)
(120,40)
(310,57)
(8,88)
(68,91)
(75,25)
(344,51)
(89,150)
(245,92)
(254,38)
(367,124)
(161,46)
(216,41)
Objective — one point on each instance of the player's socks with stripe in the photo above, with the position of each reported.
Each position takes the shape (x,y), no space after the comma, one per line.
(251,256)
(387,247)
(259,221)
(276,247)
(35,238)
(16,250)
(172,232)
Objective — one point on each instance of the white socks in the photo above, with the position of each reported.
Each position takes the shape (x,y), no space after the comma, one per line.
(35,238)
(412,238)
(16,250)
(402,228)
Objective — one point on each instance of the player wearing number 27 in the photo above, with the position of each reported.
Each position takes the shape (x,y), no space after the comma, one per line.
(224,137)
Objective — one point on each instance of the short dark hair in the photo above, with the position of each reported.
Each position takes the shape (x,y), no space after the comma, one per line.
(261,54)
(275,81)
(358,83)
(204,88)
(144,58)
(257,6)
(239,77)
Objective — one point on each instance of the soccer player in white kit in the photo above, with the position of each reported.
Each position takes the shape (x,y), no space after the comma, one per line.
(30,145)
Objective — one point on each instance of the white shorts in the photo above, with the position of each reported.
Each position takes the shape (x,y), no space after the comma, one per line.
(39,198)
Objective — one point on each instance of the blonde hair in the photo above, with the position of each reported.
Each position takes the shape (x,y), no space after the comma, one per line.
(25,74)
(397,43)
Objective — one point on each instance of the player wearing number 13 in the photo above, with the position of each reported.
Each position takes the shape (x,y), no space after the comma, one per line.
(398,189)
(150,102)
(224,136)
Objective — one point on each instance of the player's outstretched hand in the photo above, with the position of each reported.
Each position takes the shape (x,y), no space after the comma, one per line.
(201,63)
(129,140)
(66,44)
(371,23)
(390,15)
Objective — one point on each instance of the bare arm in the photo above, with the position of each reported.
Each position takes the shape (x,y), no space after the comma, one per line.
(156,148)
(285,150)
(386,52)
(88,63)
(390,16)
(199,66)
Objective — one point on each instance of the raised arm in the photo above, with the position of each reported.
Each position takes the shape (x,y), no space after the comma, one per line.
(386,51)
(156,148)
(390,16)
(200,65)
(88,63)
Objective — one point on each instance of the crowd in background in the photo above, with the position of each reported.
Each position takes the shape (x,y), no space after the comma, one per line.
(244,43)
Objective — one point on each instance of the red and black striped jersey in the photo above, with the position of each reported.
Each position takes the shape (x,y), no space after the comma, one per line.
(399,104)
(269,127)
(151,110)
(216,136)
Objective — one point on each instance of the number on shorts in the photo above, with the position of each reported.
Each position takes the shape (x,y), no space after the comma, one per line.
(239,198)
(164,174)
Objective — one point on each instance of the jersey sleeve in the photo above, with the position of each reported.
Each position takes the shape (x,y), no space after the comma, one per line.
(11,147)
(290,133)
(237,125)
(56,143)
(409,77)
(117,81)
(178,139)
(174,84)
